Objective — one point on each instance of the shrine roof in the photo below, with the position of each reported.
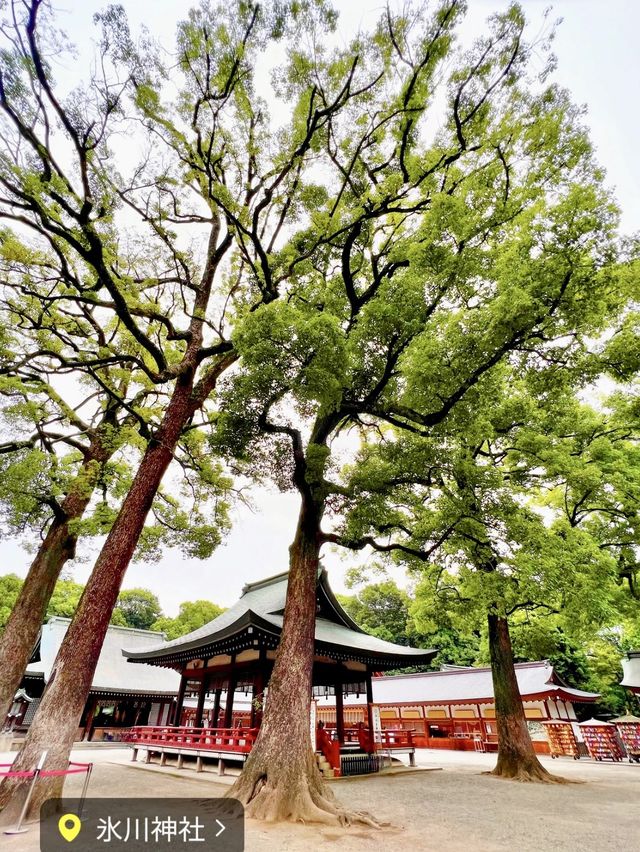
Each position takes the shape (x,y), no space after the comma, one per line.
(261,607)
(460,684)
(113,674)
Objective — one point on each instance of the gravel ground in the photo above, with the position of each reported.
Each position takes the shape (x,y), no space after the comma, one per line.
(454,810)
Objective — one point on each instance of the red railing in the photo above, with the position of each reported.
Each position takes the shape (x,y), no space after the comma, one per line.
(394,739)
(213,739)
(384,740)
(329,747)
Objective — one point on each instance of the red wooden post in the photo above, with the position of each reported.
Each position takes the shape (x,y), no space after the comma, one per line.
(339,712)
(481,722)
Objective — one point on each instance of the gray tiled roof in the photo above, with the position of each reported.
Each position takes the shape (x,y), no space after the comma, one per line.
(469,684)
(266,600)
(113,673)
(458,683)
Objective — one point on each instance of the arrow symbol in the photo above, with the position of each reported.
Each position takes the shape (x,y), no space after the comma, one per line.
(222,828)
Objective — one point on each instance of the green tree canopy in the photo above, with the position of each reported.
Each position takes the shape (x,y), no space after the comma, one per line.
(10,585)
(139,608)
(381,609)
(192,614)
(384,610)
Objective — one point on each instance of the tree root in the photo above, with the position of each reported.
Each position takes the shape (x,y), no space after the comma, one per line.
(529,774)
(308,800)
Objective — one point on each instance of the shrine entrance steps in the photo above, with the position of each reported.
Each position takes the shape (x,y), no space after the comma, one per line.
(352,762)
(323,765)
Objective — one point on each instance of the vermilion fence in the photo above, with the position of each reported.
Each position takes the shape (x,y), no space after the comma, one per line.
(394,739)
(238,740)
(384,739)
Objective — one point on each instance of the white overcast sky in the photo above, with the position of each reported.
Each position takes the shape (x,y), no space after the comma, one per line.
(598,61)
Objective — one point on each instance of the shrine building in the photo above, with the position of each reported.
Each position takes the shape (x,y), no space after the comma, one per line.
(235,652)
(233,656)
(454,708)
(122,695)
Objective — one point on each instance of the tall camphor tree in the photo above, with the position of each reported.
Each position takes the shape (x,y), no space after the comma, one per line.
(470,117)
(180,245)
(71,403)
(57,545)
(487,555)
(440,261)
(59,452)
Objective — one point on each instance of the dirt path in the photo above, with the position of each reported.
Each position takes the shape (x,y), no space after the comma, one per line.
(453,810)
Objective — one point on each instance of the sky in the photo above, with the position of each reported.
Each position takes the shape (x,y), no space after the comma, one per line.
(598,61)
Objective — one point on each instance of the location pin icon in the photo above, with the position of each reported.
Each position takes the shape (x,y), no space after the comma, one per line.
(69,827)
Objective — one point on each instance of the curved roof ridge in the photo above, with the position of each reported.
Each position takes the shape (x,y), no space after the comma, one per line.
(261,584)
(124,628)
(262,604)
(450,669)
(342,614)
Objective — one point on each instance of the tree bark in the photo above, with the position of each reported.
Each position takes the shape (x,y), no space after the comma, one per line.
(55,725)
(516,756)
(281,779)
(59,545)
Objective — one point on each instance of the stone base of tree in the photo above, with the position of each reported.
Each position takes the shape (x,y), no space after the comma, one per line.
(291,791)
(528,770)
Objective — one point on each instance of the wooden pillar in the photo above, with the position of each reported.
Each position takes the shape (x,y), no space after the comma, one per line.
(231,689)
(369,704)
(216,708)
(258,689)
(228,710)
(201,697)
(339,711)
(177,713)
(90,714)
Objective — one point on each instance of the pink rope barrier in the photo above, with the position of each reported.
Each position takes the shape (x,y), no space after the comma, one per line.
(51,773)
(28,774)
(55,773)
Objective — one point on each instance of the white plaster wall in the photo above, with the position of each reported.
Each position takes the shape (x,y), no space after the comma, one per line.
(154,714)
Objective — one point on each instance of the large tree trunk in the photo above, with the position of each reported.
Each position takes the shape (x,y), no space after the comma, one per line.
(59,545)
(516,756)
(281,779)
(56,723)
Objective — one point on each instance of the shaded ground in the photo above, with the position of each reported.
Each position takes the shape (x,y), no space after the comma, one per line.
(454,810)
